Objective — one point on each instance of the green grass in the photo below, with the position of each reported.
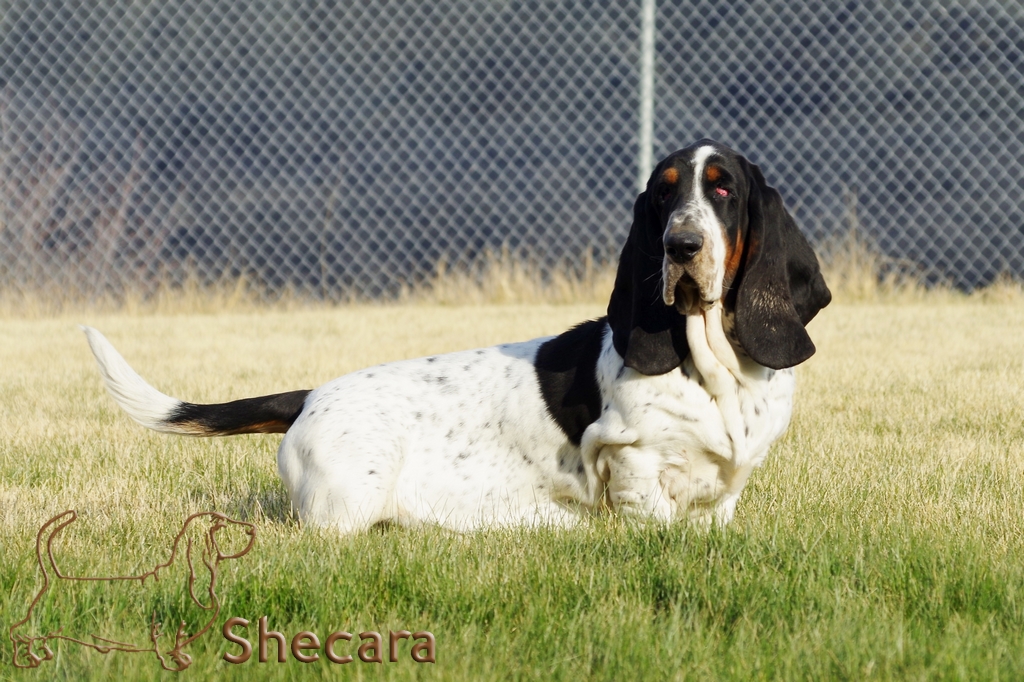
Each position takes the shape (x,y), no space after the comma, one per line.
(883,538)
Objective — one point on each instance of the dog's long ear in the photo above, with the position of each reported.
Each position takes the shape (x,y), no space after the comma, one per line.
(781,288)
(649,335)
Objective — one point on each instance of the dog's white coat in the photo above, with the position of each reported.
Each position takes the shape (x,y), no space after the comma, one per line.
(142,402)
(465,440)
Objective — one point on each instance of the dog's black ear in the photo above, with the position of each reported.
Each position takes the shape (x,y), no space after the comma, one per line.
(649,335)
(781,288)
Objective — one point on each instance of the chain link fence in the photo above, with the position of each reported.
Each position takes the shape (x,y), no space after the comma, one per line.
(339,148)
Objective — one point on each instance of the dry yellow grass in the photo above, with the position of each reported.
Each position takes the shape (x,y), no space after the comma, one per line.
(857,272)
(499,279)
(906,454)
(853,268)
(505,279)
(901,366)
(53,404)
(880,540)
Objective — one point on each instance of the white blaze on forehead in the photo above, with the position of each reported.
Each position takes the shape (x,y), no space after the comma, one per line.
(713,231)
(700,159)
(699,213)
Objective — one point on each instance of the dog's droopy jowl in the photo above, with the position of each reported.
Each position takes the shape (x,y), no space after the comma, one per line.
(662,408)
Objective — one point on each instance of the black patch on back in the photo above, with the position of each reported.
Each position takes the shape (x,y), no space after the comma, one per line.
(567,372)
(266,414)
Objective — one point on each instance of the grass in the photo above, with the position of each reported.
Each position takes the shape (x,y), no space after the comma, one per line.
(856,270)
(499,278)
(881,540)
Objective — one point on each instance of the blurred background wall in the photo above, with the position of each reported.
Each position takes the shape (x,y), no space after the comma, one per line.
(338,148)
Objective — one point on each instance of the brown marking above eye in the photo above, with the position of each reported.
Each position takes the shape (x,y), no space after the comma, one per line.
(670,176)
(713,173)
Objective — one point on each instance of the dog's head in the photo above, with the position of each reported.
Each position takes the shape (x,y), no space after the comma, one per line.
(709,229)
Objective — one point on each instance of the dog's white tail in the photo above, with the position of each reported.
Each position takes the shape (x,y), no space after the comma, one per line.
(142,402)
(160,412)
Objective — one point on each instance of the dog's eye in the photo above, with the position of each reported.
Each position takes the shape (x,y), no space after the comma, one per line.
(721,191)
(664,193)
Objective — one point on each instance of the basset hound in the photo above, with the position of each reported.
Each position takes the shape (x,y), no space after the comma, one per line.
(662,408)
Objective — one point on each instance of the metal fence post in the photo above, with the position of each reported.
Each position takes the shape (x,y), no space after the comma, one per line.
(645,156)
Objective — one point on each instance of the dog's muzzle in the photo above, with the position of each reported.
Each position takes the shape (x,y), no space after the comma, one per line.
(683,271)
(681,247)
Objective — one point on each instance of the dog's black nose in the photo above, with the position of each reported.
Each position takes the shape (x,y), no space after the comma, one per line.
(681,247)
